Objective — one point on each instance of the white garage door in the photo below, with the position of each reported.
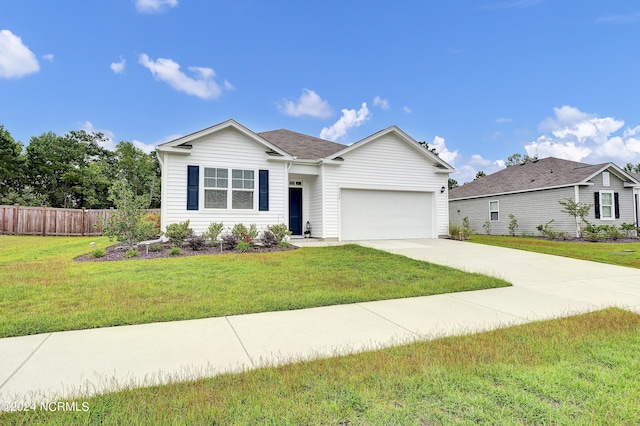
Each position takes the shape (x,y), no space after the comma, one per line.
(380,215)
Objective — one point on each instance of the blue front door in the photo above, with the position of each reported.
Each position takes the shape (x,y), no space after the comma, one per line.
(295,211)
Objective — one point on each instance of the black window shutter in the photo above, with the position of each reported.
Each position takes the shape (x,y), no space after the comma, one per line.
(596,203)
(263,190)
(193,180)
(616,205)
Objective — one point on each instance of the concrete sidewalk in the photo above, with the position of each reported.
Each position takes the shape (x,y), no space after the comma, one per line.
(85,362)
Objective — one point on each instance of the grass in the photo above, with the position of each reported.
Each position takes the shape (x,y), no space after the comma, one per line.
(42,289)
(578,370)
(622,254)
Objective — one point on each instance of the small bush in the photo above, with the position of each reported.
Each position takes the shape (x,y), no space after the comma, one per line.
(155,219)
(284,244)
(174,251)
(268,239)
(156,247)
(243,246)
(629,229)
(467,229)
(455,231)
(177,233)
(229,241)
(487,227)
(197,242)
(513,225)
(280,231)
(213,232)
(547,231)
(131,253)
(243,233)
(98,253)
(611,232)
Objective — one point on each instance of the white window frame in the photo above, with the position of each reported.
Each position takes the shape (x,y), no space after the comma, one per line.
(606,179)
(206,188)
(497,211)
(603,205)
(229,189)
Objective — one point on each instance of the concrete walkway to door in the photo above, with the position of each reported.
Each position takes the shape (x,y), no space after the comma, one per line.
(84,362)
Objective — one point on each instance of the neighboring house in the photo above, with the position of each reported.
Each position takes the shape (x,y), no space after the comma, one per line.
(531,191)
(382,187)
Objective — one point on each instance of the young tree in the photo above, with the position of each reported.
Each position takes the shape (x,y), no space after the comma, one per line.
(127,223)
(578,211)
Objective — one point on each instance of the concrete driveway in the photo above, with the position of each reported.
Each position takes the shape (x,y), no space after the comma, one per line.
(50,366)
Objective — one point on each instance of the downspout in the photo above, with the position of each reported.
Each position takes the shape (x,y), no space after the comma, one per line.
(286,193)
(322,204)
(163,189)
(578,221)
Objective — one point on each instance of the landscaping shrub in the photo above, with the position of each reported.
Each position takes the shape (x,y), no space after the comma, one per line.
(174,251)
(156,247)
(243,246)
(229,241)
(268,239)
(177,233)
(280,231)
(155,219)
(131,253)
(629,229)
(213,231)
(487,227)
(466,230)
(99,252)
(243,233)
(513,224)
(197,242)
(455,231)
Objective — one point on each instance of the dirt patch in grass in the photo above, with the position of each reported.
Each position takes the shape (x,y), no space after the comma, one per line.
(119,252)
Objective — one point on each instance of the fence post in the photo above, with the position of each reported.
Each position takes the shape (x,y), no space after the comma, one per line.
(83,214)
(15,219)
(44,221)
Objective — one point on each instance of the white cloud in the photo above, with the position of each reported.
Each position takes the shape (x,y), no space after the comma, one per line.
(618,19)
(350,119)
(503,120)
(467,171)
(202,84)
(578,136)
(154,6)
(442,150)
(382,103)
(309,103)
(406,109)
(49,57)
(16,60)
(118,67)
(108,134)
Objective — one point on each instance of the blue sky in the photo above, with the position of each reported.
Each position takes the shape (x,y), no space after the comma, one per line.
(478,80)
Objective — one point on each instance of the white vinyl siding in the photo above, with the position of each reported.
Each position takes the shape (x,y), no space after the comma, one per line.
(494,211)
(606,205)
(386,164)
(230,150)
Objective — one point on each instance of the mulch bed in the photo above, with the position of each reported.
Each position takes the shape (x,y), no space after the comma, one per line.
(117,252)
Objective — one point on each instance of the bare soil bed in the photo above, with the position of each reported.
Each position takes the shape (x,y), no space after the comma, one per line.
(117,252)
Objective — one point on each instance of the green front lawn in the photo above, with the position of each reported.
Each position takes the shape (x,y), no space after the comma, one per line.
(582,370)
(42,289)
(622,254)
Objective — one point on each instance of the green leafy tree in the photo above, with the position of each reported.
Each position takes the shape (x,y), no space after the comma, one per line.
(516,158)
(11,164)
(579,211)
(127,223)
(453,183)
(631,168)
(480,175)
(139,169)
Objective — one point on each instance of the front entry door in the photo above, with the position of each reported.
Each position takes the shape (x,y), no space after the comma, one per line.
(295,211)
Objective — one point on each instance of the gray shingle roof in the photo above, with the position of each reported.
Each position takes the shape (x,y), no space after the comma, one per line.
(302,146)
(544,173)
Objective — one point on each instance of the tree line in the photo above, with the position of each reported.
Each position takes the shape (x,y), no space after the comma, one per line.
(73,170)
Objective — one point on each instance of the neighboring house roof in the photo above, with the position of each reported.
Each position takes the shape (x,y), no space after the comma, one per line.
(301,146)
(545,173)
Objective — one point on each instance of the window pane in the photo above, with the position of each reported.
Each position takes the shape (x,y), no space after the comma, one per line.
(236,174)
(236,183)
(606,211)
(222,173)
(606,198)
(248,174)
(242,199)
(209,182)
(494,215)
(248,184)
(215,199)
(493,206)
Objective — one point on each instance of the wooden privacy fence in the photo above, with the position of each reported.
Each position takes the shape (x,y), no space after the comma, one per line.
(20,220)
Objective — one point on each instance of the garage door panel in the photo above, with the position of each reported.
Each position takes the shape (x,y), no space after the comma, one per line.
(373,214)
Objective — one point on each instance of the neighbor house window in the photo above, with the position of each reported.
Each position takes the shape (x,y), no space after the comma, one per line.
(494,211)
(606,205)
(217,187)
(242,184)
